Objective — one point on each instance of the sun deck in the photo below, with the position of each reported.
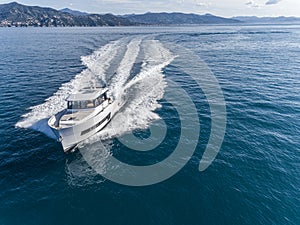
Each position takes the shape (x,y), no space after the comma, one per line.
(75,116)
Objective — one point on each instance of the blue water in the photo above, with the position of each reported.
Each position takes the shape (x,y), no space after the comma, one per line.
(254,178)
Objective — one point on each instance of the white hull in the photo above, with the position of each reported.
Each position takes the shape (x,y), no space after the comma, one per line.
(70,136)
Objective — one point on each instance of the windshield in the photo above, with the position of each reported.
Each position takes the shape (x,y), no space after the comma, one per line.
(81,104)
(87,104)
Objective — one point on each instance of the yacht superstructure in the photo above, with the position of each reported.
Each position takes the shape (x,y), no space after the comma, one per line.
(88,111)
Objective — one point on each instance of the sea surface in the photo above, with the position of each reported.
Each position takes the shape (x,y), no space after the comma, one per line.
(255,177)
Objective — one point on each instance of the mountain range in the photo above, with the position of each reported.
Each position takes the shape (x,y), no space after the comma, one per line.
(268,20)
(177,18)
(15,14)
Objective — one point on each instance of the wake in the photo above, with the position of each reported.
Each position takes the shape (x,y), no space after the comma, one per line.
(132,69)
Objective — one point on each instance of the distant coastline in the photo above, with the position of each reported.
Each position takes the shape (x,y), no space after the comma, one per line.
(18,15)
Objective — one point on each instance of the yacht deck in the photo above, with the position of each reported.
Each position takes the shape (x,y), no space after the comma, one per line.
(76,116)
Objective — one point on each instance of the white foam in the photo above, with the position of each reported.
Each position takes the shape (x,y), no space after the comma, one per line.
(141,93)
(96,63)
(148,88)
(123,72)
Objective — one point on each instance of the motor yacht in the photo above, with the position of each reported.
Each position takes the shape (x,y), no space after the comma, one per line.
(87,112)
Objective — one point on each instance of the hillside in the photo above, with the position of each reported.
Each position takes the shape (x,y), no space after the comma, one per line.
(73,12)
(14,14)
(268,20)
(17,15)
(178,18)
